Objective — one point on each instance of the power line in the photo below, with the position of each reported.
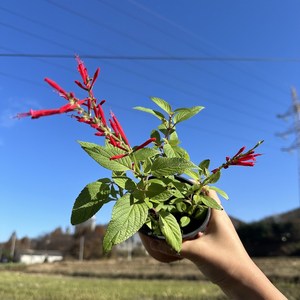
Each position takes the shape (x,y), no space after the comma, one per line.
(150,46)
(166,58)
(111,58)
(130,58)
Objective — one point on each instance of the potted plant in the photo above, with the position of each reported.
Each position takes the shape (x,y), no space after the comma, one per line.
(156,188)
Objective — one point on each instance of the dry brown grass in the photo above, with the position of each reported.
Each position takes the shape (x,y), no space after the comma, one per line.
(283,268)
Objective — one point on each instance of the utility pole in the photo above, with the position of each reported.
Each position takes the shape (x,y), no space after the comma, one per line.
(81,247)
(294,111)
(13,245)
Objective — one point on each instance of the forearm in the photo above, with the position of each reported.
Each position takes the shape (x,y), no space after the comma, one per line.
(248,283)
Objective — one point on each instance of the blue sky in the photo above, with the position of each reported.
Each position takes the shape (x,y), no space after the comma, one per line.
(43,169)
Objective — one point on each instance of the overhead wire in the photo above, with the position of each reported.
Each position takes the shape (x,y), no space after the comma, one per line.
(96,22)
(36,36)
(193,35)
(163,58)
(150,46)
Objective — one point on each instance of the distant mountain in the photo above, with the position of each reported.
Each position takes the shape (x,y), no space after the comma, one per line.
(276,235)
(292,216)
(236,222)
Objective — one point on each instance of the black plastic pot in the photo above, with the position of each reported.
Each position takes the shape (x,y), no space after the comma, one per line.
(157,246)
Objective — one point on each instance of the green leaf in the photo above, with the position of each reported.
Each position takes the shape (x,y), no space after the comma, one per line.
(184,221)
(173,138)
(164,105)
(210,202)
(89,201)
(124,182)
(192,174)
(102,155)
(169,150)
(155,134)
(127,219)
(164,196)
(165,166)
(214,177)
(219,191)
(155,113)
(183,114)
(145,153)
(171,230)
(180,152)
(204,165)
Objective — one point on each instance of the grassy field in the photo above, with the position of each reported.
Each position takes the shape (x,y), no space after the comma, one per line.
(121,279)
(20,286)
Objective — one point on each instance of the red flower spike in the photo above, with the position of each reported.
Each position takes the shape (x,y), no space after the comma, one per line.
(248,159)
(60,90)
(82,71)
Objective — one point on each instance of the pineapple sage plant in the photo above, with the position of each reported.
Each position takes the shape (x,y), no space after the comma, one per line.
(146,182)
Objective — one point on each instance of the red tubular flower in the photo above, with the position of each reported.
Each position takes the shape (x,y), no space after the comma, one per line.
(145,144)
(82,71)
(247,160)
(240,151)
(239,159)
(119,128)
(100,133)
(112,140)
(118,156)
(35,114)
(99,113)
(80,85)
(60,90)
(114,127)
(95,77)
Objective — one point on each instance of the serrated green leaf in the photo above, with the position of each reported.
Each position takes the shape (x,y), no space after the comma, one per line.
(210,202)
(164,105)
(165,166)
(183,114)
(145,153)
(169,151)
(124,182)
(171,230)
(180,152)
(163,196)
(89,201)
(102,155)
(155,113)
(127,219)
(219,191)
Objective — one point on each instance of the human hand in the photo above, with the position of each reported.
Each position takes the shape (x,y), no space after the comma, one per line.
(222,258)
